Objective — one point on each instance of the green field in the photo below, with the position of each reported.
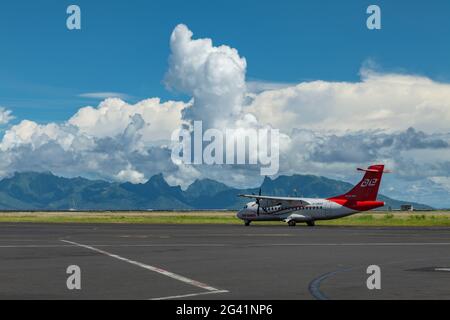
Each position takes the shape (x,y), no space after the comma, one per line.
(429,218)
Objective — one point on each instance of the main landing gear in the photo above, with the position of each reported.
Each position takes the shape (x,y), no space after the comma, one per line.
(291,223)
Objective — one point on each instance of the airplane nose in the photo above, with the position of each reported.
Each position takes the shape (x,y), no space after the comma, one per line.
(239,214)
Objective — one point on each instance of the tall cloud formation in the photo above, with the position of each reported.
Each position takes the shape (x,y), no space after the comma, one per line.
(213,76)
(329,127)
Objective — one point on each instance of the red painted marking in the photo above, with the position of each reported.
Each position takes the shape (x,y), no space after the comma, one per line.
(358,205)
(365,191)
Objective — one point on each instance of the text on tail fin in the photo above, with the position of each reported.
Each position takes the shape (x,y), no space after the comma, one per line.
(367,188)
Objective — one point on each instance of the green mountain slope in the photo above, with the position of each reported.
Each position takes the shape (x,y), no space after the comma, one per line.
(45,191)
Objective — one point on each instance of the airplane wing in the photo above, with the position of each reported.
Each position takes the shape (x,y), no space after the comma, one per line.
(271,200)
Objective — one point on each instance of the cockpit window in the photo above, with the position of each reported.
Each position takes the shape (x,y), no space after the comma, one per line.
(245,207)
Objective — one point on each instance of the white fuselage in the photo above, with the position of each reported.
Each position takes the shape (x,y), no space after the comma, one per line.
(318,209)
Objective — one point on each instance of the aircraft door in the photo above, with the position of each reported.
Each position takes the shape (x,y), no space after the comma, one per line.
(325,209)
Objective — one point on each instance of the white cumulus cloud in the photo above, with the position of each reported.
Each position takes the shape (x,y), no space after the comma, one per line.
(213,76)
(131,175)
(5,116)
(379,101)
(113,116)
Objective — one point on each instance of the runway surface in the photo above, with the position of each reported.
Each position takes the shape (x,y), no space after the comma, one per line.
(123,261)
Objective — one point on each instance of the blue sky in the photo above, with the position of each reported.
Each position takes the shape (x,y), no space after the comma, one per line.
(123,45)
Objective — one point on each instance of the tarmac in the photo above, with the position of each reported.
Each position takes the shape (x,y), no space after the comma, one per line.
(262,262)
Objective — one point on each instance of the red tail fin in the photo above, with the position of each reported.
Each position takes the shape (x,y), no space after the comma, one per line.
(367,188)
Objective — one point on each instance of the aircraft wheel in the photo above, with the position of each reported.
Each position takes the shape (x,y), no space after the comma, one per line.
(291,223)
(247,223)
(311,223)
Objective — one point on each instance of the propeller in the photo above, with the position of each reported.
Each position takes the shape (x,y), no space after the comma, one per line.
(257,202)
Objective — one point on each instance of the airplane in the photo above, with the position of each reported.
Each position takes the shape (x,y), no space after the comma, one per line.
(362,197)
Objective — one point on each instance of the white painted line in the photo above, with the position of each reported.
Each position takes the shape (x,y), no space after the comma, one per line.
(166,245)
(190,295)
(231,245)
(148,267)
(23,240)
(362,244)
(442,269)
(36,246)
(111,245)
(304,244)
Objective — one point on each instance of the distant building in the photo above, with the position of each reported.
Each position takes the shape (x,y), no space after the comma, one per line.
(406,207)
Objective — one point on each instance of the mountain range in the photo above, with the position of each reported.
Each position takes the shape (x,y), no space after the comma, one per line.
(45,191)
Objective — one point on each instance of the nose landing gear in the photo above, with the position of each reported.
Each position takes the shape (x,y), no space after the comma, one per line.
(247,223)
(291,223)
